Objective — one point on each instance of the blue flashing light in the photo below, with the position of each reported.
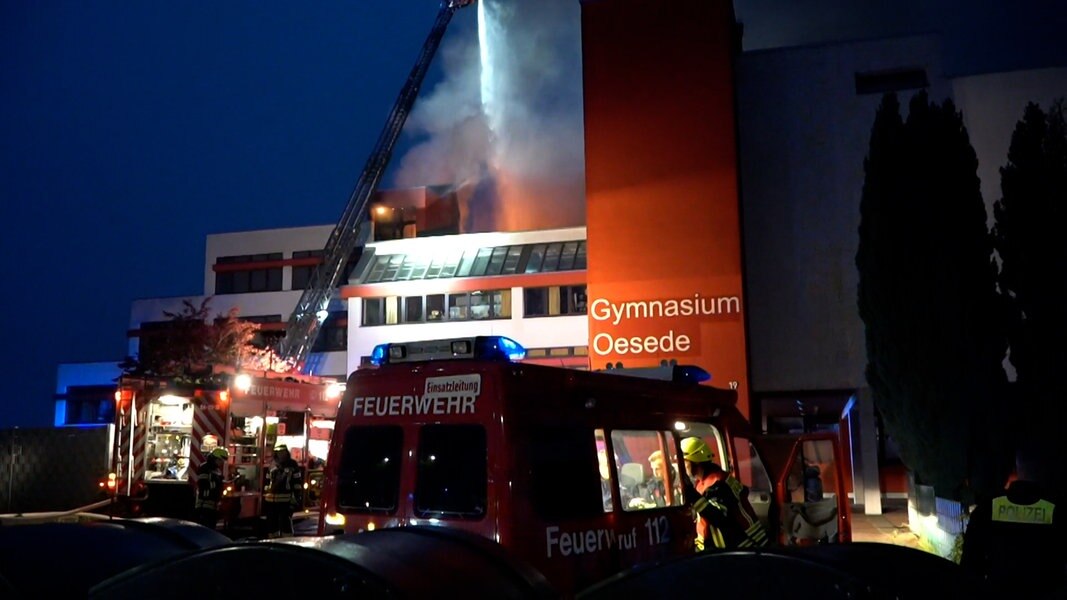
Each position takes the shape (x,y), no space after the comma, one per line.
(379,355)
(480,347)
(498,345)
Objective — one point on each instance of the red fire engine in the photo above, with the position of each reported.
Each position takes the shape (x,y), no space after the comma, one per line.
(554,463)
(165,428)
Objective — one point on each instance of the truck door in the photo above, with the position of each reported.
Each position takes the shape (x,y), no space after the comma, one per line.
(810,492)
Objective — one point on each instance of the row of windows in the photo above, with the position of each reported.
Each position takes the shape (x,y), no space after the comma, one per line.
(479,262)
(473,306)
(332,337)
(463,306)
(270,279)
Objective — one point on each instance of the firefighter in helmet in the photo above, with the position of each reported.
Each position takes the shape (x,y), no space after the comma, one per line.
(282,493)
(209,486)
(725,517)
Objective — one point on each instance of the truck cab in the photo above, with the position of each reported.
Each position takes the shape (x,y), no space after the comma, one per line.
(576,472)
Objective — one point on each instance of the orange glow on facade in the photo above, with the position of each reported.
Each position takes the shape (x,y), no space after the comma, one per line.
(664,235)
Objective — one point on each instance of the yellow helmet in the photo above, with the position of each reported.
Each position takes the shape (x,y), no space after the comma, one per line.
(696,450)
(220,452)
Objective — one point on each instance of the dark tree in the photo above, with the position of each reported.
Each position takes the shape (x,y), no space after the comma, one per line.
(1030,239)
(928,299)
(190,343)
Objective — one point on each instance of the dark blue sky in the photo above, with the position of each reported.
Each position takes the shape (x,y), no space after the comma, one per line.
(130,130)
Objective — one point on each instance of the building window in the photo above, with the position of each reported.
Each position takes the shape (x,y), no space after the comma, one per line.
(249,280)
(554,301)
(89,404)
(435,307)
(302,274)
(333,334)
(413,309)
(458,305)
(265,338)
(373,311)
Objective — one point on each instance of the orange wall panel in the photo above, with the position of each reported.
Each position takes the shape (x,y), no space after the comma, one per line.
(663,223)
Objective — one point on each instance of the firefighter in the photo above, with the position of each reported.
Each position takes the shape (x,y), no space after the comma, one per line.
(725,518)
(282,494)
(209,484)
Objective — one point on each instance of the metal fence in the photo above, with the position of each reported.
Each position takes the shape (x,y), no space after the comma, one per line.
(52,468)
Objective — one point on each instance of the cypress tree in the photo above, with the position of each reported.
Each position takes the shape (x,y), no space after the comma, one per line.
(1029,226)
(927,296)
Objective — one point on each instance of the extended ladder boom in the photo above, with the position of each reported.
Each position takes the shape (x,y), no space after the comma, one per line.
(304,322)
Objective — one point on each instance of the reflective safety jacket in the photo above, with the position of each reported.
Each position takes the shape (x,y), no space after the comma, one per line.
(725,517)
(285,482)
(208,485)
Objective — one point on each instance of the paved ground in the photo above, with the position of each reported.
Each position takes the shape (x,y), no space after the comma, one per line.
(890,527)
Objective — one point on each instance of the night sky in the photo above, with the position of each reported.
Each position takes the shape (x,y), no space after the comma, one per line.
(133,129)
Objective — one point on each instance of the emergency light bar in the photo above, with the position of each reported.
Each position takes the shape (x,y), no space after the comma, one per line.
(483,347)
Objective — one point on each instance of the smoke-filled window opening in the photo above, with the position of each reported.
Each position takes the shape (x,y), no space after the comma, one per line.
(554,301)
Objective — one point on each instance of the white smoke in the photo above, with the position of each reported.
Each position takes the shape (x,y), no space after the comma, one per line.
(509,110)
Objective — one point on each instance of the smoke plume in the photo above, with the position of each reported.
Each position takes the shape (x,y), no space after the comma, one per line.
(505,124)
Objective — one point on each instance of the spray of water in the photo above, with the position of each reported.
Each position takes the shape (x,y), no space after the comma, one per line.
(505,124)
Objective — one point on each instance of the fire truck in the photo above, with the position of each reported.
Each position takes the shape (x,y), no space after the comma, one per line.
(165,427)
(558,465)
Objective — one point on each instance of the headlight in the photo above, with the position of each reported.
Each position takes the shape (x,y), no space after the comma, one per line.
(335,519)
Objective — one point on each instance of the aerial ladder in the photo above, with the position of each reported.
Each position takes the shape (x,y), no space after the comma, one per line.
(312,308)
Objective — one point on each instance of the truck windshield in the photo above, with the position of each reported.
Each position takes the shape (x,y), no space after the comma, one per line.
(369,474)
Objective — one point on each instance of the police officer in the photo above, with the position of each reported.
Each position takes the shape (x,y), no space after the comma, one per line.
(209,484)
(725,517)
(282,493)
(1015,541)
